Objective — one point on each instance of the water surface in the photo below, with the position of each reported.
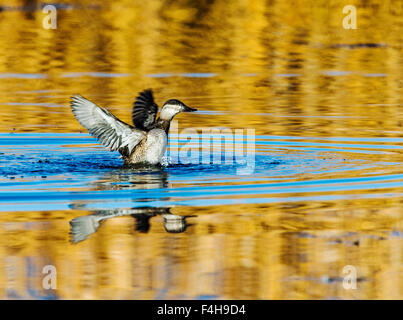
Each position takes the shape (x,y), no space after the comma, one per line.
(325,189)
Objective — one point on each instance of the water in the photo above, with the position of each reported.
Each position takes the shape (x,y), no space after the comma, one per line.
(324,191)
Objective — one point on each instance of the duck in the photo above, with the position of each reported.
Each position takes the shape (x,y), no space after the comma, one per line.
(144,142)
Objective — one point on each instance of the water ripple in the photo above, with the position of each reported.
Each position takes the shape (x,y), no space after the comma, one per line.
(57,171)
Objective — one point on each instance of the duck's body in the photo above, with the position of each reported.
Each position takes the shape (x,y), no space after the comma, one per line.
(150,150)
(145,142)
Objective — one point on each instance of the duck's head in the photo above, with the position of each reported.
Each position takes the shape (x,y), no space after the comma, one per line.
(173,107)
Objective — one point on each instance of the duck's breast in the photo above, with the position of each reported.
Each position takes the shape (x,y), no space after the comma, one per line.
(155,146)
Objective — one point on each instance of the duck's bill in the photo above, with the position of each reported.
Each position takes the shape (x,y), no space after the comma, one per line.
(188,109)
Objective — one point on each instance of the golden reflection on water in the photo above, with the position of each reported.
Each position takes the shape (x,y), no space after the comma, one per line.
(284,59)
(262,252)
(282,67)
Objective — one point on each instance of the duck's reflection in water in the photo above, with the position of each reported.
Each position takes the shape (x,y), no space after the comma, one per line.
(131,178)
(82,227)
(148,178)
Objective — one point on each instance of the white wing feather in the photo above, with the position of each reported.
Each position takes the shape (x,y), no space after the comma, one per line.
(103,125)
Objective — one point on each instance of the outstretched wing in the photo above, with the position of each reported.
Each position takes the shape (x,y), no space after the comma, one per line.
(103,125)
(144,110)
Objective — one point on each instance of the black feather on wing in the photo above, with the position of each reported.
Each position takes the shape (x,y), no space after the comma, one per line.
(144,111)
(103,125)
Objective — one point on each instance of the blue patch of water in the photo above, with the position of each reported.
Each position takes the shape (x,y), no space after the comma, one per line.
(40,171)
